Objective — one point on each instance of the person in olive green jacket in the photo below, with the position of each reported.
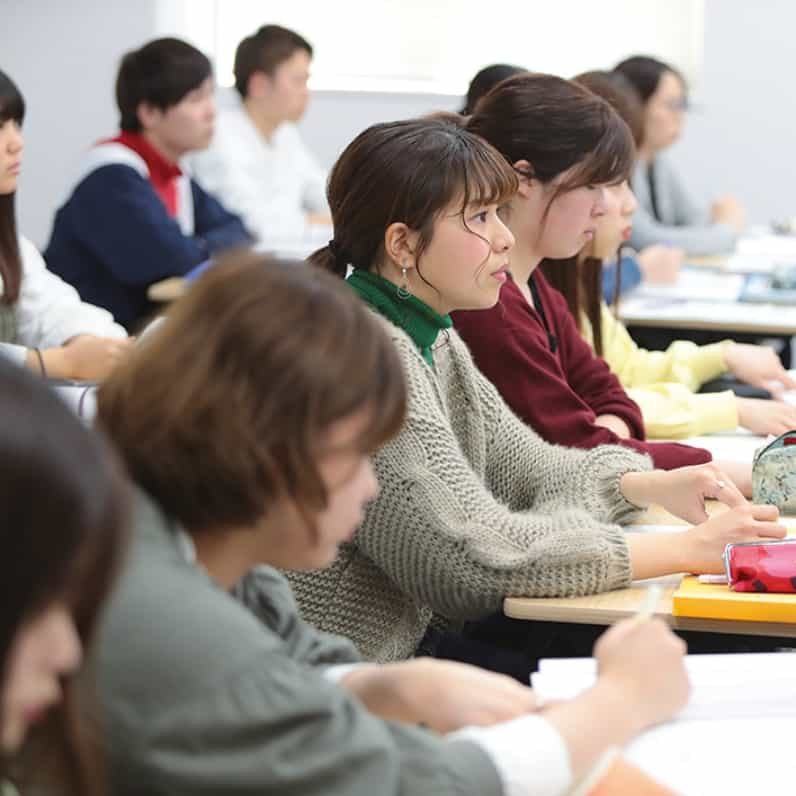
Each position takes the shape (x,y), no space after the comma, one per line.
(256,457)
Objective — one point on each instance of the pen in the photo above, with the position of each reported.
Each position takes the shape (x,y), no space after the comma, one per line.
(648,604)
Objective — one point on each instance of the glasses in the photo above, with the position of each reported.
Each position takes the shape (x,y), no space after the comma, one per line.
(675,106)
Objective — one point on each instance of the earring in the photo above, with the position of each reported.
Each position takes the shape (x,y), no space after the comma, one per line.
(403,289)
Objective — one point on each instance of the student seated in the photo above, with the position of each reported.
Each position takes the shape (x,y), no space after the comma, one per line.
(43,323)
(653,264)
(527,344)
(257,163)
(662,382)
(667,214)
(64,511)
(260,459)
(473,505)
(134,216)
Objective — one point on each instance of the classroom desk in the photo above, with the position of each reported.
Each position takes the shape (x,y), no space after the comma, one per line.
(609,607)
(715,316)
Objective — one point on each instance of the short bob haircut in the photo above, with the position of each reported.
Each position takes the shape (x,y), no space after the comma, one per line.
(407,171)
(556,126)
(264,51)
(12,109)
(160,74)
(63,530)
(224,409)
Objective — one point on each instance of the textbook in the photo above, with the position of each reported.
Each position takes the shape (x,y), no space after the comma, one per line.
(715,601)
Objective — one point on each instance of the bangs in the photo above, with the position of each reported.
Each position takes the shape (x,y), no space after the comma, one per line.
(611,161)
(12,105)
(486,178)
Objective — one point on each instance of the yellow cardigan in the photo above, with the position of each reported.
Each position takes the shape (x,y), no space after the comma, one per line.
(662,383)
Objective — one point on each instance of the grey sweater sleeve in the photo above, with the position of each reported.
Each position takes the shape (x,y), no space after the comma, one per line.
(559,476)
(267,594)
(273,727)
(682,223)
(439,533)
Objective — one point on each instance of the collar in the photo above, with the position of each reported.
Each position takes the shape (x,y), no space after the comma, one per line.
(412,315)
(161,170)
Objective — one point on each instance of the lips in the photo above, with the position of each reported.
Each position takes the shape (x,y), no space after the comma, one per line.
(501,274)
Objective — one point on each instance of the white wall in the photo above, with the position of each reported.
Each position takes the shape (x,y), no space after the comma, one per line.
(64,57)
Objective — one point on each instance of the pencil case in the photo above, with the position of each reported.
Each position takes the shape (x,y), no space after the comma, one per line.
(774,473)
(762,566)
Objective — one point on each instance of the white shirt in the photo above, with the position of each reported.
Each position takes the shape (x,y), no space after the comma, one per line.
(49,311)
(271,185)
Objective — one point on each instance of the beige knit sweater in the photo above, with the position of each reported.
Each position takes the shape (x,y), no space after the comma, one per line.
(473,507)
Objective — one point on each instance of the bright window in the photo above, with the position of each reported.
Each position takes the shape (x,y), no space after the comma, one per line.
(436,46)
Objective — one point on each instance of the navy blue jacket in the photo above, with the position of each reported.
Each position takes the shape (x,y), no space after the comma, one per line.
(114,237)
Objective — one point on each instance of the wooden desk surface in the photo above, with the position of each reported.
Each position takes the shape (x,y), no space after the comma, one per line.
(610,607)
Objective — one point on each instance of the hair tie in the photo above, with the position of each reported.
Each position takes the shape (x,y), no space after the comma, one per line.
(334,248)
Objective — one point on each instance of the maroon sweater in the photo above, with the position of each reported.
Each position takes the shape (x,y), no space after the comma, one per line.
(554,381)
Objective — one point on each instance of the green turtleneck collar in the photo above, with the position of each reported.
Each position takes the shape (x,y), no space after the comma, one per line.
(417,319)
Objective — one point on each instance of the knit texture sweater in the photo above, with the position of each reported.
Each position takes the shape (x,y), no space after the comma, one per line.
(552,379)
(473,506)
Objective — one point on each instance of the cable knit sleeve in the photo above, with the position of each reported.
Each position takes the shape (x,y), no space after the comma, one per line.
(444,538)
(526,472)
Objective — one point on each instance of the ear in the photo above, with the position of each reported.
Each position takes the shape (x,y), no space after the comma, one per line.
(148,115)
(259,85)
(400,244)
(525,172)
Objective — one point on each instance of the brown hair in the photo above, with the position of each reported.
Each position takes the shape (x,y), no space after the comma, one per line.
(407,171)
(223,409)
(65,509)
(12,108)
(263,51)
(555,125)
(580,279)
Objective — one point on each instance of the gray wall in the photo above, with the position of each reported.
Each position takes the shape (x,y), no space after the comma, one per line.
(741,138)
(64,56)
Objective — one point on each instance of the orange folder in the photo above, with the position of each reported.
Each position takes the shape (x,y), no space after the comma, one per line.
(712,601)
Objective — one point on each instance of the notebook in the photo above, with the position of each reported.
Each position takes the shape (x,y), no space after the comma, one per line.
(734,738)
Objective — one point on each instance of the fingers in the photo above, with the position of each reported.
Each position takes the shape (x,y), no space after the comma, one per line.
(770,530)
(723,489)
(764,513)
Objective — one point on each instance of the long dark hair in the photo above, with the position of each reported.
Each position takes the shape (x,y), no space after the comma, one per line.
(580,279)
(64,511)
(555,125)
(12,108)
(408,172)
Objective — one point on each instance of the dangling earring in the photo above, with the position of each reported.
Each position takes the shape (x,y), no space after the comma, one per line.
(403,288)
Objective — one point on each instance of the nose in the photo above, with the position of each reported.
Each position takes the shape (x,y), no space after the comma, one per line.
(629,202)
(16,142)
(504,239)
(600,202)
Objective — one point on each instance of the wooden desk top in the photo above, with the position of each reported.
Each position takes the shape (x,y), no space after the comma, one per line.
(610,607)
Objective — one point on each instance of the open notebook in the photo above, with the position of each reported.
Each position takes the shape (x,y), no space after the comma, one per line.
(735,736)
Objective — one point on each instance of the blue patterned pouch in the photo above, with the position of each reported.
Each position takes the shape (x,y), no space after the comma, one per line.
(774,473)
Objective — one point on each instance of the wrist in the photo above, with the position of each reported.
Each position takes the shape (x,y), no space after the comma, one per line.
(56,363)
(638,488)
(612,697)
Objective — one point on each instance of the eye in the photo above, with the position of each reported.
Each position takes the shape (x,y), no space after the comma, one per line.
(481,217)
